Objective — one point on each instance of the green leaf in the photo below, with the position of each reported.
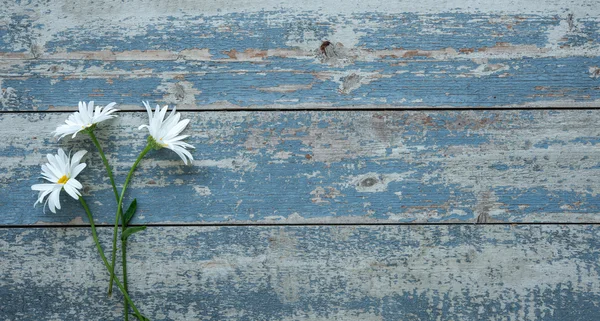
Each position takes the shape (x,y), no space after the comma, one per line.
(131,230)
(142,319)
(130,211)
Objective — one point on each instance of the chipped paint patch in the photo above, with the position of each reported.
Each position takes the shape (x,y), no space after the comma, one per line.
(181,93)
(202,190)
(594,72)
(374,182)
(485,69)
(353,79)
(231,164)
(325,195)
(9,98)
(286,88)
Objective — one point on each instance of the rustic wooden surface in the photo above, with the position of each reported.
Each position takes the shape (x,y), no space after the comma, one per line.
(312,273)
(461,54)
(360,123)
(329,167)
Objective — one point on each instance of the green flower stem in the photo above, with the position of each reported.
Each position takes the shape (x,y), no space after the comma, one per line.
(105,161)
(110,269)
(124,224)
(124,264)
(118,216)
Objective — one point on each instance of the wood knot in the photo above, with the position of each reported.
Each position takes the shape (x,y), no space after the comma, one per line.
(324,46)
(368,182)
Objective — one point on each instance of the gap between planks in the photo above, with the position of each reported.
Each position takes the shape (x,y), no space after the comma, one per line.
(333,108)
(41,226)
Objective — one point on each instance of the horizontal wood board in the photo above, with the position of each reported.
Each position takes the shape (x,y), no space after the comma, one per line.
(277,57)
(310,273)
(325,167)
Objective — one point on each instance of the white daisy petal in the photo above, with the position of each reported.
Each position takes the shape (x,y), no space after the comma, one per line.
(75,171)
(82,107)
(183,153)
(65,130)
(54,200)
(77,157)
(41,196)
(72,191)
(180,137)
(110,108)
(53,166)
(42,187)
(75,183)
(48,174)
(61,171)
(62,156)
(165,132)
(179,127)
(85,117)
(148,109)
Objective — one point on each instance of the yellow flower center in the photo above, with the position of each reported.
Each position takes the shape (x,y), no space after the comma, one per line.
(63,179)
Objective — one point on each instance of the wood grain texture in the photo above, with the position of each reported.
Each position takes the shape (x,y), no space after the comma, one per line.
(326,167)
(310,273)
(376,54)
(278,160)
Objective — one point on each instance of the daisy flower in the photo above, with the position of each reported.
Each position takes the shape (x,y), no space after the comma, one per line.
(86,117)
(60,171)
(165,132)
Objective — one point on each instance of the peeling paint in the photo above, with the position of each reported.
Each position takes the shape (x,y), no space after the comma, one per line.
(322,195)
(202,190)
(373,182)
(8,97)
(409,166)
(204,61)
(594,72)
(313,273)
(181,93)
(313,168)
(489,69)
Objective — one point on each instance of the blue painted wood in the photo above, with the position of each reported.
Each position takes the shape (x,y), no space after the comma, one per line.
(298,59)
(342,167)
(312,167)
(287,28)
(294,83)
(310,273)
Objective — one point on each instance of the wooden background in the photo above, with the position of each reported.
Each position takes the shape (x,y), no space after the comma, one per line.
(355,160)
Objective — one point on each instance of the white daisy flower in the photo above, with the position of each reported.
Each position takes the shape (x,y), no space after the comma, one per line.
(86,117)
(165,133)
(60,171)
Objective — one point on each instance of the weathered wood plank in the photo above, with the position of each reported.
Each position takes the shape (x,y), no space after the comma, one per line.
(343,167)
(310,273)
(378,54)
(295,83)
(64,27)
